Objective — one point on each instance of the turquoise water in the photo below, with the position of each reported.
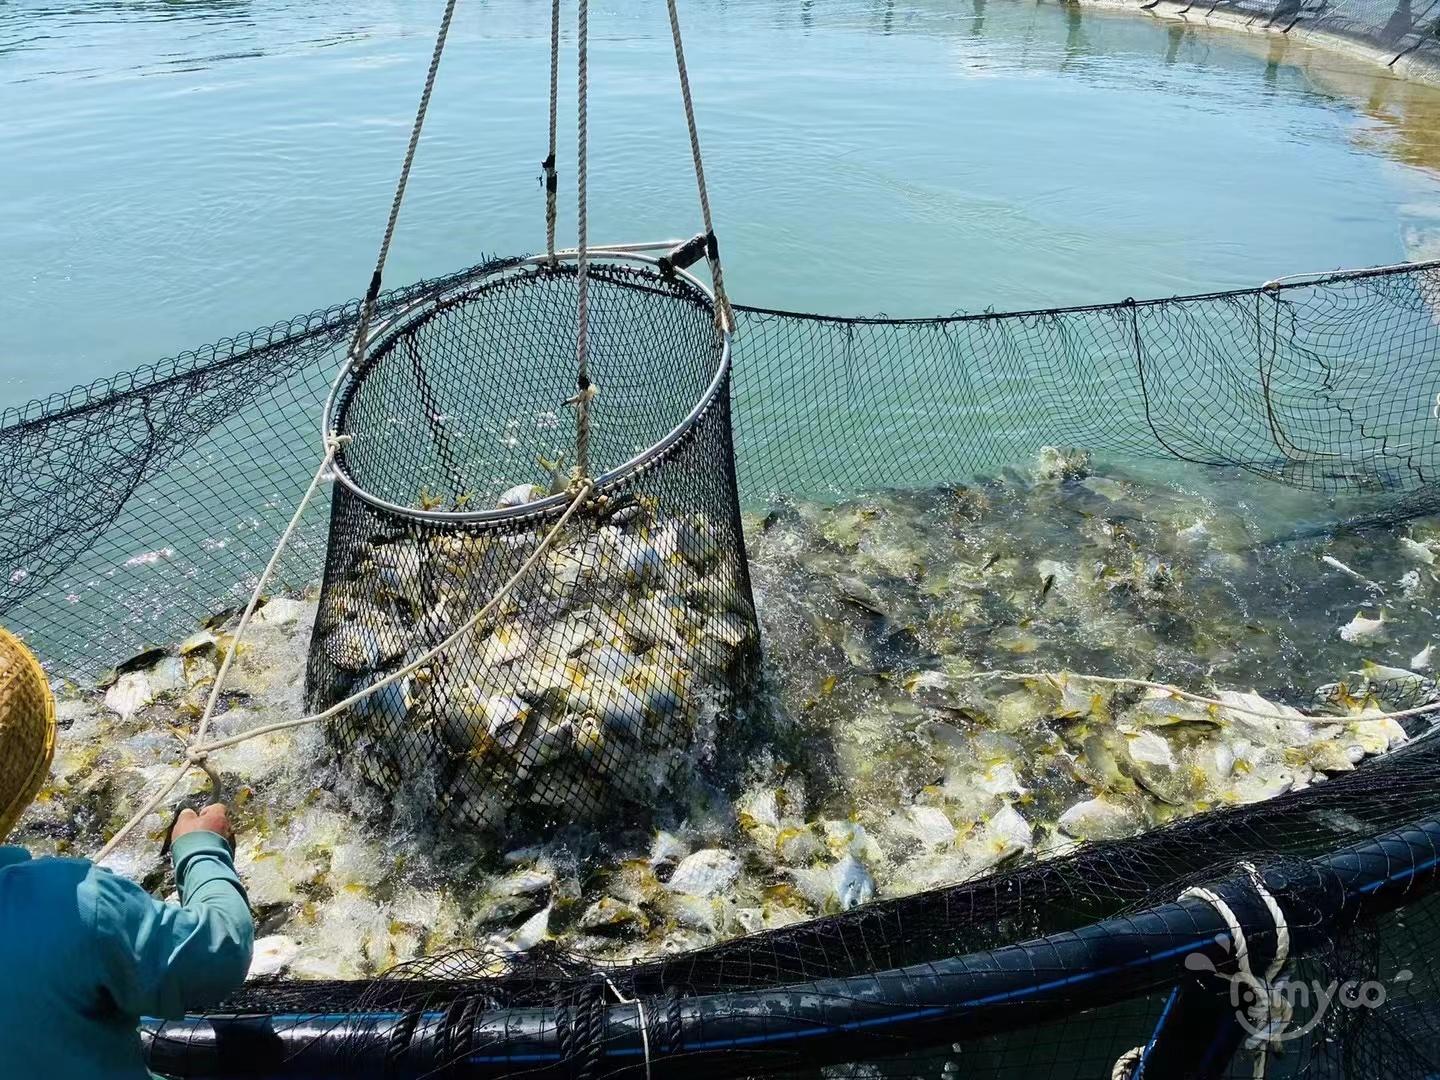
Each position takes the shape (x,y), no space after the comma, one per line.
(174,172)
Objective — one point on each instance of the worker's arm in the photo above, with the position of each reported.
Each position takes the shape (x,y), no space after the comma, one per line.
(161,959)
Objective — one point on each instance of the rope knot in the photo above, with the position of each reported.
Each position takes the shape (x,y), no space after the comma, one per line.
(1265,1009)
(586,394)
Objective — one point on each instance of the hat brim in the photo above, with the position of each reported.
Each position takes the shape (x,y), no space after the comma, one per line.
(35,778)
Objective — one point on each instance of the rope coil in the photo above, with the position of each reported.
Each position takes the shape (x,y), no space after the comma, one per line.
(1266,1012)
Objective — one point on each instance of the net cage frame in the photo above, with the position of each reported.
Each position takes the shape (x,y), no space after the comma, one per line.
(623,712)
(779,1029)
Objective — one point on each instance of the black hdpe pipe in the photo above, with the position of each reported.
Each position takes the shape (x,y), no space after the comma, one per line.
(820,1022)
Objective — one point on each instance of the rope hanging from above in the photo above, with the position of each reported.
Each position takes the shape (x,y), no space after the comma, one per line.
(585,390)
(372,293)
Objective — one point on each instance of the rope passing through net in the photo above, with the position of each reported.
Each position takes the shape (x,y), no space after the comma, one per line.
(199,750)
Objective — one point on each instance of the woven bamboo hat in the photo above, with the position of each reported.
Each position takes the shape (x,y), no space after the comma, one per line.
(27,729)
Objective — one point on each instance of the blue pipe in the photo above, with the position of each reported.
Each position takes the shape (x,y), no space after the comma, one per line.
(828,1020)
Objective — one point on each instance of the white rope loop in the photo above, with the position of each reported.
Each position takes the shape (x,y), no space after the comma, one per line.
(1266,1009)
(1126,1063)
(1264,1004)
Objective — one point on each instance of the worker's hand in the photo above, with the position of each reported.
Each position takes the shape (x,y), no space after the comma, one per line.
(214,818)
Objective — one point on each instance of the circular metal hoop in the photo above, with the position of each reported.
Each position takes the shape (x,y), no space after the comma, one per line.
(374,346)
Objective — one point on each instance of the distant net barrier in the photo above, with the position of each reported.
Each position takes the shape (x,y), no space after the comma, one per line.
(1402,34)
(135,508)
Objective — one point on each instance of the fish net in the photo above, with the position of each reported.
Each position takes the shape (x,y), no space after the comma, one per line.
(613,667)
(1398,30)
(138,508)
(619,676)
(127,522)
(144,504)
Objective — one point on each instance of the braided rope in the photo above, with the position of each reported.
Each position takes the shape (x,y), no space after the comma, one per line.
(464,1036)
(673,1030)
(551,178)
(1262,1004)
(582,1031)
(399,1044)
(447,1038)
(198,751)
(723,313)
(584,390)
(367,307)
(591,1034)
(1130,1064)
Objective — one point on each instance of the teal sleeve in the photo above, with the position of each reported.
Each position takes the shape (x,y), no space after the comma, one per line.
(162,959)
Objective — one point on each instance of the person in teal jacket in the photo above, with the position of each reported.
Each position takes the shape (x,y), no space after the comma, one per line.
(84,953)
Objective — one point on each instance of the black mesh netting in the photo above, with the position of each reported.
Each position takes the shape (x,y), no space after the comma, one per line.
(136,508)
(1056,969)
(1398,29)
(616,663)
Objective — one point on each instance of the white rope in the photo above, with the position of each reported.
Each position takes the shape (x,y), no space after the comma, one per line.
(1275,283)
(332,447)
(1125,1064)
(584,390)
(640,1014)
(550,176)
(723,313)
(367,306)
(193,754)
(1263,1005)
(1175,691)
(198,751)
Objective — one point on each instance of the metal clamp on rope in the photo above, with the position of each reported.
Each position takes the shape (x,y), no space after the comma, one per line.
(688,254)
(552,178)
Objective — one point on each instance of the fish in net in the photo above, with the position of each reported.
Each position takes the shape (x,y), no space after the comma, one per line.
(624,658)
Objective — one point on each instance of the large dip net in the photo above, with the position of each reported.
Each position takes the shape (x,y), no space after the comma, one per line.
(553,612)
(620,659)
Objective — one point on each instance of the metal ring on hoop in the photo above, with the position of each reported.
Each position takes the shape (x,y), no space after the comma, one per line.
(349,378)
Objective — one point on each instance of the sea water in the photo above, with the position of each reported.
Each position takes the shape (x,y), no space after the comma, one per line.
(176,173)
